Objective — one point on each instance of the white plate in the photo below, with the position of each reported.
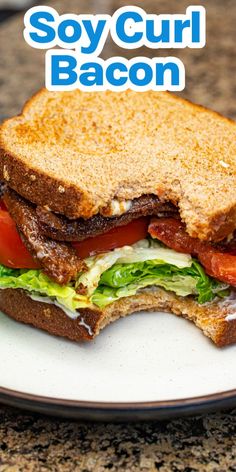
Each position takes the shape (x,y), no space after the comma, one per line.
(153,362)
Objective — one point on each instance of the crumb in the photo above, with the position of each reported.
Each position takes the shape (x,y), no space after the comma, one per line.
(61,189)
(5,173)
(47,312)
(223,164)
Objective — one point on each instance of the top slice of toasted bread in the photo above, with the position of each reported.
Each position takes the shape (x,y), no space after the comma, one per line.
(76,151)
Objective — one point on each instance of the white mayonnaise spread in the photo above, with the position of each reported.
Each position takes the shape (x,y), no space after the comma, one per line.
(230,303)
(116,207)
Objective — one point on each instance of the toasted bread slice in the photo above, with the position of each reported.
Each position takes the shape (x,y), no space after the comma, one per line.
(75,152)
(217,320)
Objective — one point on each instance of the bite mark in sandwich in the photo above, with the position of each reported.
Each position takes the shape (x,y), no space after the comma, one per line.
(110,243)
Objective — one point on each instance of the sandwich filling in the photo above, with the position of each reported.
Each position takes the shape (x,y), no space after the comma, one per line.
(85,263)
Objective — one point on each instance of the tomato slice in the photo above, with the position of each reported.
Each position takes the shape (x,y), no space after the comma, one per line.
(116,237)
(13,252)
(221,265)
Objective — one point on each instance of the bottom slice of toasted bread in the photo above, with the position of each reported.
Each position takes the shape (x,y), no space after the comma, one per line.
(216,319)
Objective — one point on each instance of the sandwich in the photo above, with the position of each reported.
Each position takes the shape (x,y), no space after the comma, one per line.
(114,203)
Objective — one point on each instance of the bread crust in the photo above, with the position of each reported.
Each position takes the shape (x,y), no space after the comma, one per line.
(210,318)
(123,145)
(18,305)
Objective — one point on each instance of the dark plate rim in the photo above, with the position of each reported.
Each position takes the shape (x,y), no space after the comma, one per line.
(94,410)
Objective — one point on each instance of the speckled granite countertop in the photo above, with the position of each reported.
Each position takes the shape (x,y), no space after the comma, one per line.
(31,442)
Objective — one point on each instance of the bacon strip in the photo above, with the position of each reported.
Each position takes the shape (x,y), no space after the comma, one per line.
(62,229)
(58,260)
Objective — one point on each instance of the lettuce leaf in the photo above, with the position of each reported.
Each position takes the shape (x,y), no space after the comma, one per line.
(35,282)
(145,250)
(117,274)
(124,280)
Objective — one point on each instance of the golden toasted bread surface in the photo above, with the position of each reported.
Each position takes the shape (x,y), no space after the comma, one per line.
(75,152)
